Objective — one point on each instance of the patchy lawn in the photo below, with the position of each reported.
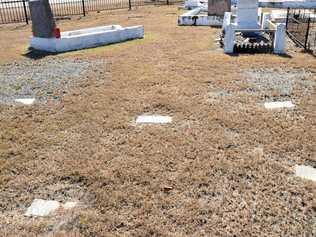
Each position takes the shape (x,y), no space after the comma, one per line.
(223,167)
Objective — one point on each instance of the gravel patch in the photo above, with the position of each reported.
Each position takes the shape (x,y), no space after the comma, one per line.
(279,83)
(45,79)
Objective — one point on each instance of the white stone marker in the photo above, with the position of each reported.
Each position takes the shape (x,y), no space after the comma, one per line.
(27,101)
(247,14)
(40,207)
(278,105)
(153,119)
(305,172)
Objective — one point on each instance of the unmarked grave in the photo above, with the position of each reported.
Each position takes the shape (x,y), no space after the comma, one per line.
(279,105)
(154,119)
(305,172)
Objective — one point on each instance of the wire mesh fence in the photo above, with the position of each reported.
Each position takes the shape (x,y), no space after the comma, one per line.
(301,28)
(15,11)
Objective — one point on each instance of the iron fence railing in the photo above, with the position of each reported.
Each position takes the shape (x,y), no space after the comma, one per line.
(301,27)
(15,11)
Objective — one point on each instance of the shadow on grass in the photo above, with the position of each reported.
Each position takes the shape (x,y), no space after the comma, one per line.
(37,54)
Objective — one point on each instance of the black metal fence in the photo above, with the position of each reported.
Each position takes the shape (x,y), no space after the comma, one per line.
(15,11)
(301,27)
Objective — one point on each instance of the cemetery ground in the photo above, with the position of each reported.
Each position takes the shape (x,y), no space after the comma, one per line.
(223,167)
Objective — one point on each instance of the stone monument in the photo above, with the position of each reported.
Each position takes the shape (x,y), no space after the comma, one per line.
(247,14)
(43,23)
(218,7)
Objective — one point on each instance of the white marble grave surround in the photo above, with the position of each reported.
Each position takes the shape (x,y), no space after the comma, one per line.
(87,38)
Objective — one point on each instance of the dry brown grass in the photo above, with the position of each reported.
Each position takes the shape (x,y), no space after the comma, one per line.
(224,167)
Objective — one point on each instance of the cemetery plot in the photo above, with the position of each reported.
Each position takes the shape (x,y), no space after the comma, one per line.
(224,166)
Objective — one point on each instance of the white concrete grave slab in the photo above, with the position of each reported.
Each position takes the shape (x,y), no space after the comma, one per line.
(25,101)
(153,119)
(87,38)
(279,105)
(40,207)
(305,172)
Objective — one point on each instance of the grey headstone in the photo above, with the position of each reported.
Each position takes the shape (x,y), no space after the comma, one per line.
(218,7)
(43,23)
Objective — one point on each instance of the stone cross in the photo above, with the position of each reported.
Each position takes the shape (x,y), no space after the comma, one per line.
(43,23)
(218,7)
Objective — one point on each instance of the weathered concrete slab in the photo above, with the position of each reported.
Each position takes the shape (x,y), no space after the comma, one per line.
(43,23)
(279,105)
(154,119)
(26,101)
(305,172)
(218,7)
(40,207)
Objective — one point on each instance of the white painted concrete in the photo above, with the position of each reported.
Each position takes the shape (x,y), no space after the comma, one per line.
(197,18)
(40,207)
(155,119)
(279,44)
(247,14)
(229,40)
(25,101)
(87,38)
(287,3)
(191,4)
(70,205)
(305,172)
(279,105)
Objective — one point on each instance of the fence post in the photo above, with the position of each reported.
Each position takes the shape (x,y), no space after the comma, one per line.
(25,12)
(307,32)
(83,8)
(287,17)
(129,4)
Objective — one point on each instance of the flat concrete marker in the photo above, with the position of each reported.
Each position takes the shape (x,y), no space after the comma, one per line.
(26,101)
(305,172)
(154,119)
(40,207)
(279,105)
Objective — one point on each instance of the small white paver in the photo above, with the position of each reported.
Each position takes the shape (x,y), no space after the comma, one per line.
(69,205)
(153,119)
(279,105)
(26,101)
(305,172)
(40,207)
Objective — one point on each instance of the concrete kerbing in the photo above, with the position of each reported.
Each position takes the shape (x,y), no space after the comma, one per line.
(88,38)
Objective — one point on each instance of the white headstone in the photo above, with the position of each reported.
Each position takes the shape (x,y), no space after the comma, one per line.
(26,101)
(247,14)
